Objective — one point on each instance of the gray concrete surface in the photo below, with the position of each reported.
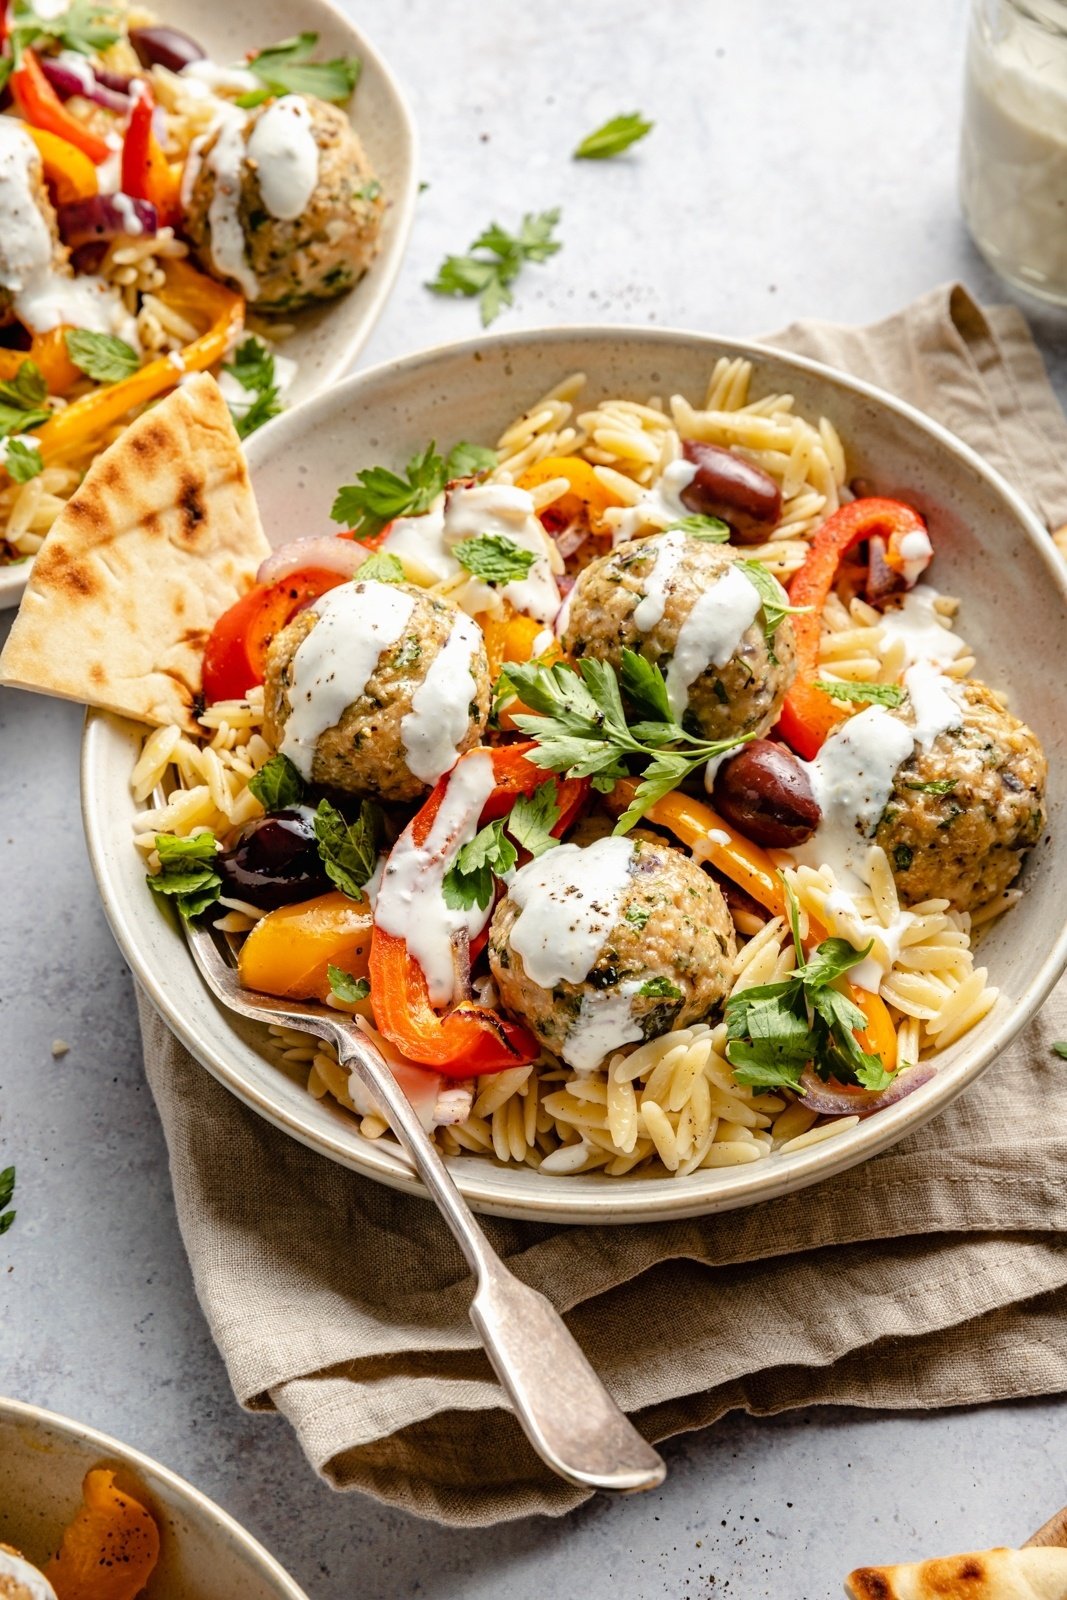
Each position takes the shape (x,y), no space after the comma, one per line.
(802,164)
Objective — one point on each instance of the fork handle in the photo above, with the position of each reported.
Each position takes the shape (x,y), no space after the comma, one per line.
(563,1407)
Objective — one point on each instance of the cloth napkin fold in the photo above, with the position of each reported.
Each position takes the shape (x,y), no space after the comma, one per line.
(934,1275)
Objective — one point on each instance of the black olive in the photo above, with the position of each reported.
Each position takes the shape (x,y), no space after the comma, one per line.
(274,862)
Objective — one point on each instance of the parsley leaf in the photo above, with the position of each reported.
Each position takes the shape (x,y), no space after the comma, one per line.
(378,494)
(470,460)
(22,400)
(875,694)
(713,529)
(660,988)
(186,871)
(23,461)
(84,26)
(287,68)
(277,785)
(613,138)
(469,881)
(381,566)
(7,1189)
(101,356)
(774,601)
(253,367)
(1059,1048)
(503,255)
(348,850)
(345,987)
(533,817)
(494,558)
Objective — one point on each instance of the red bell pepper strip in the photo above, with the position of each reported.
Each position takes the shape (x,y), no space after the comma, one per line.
(146,172)
(809,715)
(235,656)
(471,1039)
(42,107)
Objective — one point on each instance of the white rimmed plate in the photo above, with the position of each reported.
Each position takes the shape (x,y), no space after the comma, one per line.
(204,1553)
(992,553)
(327,338)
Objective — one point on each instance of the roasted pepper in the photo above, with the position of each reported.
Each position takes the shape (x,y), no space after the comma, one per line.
(68,172)
(42,108)
(109,1551)
(48,351)
(586,497)
(146,172)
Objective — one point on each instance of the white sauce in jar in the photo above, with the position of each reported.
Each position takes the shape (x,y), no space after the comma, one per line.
(356,622)
(711,633)
(225,161)
(569,901)
(284,152)
(657,507)
(604,1024)
(918,623)
(649,611)
(411,904)
(440,714)
(34,1582)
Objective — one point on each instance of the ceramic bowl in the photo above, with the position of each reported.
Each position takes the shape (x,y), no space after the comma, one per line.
(204,1553)
(327,338)
(992,553)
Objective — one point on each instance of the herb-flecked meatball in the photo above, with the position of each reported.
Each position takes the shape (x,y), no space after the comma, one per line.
(682,603)
(371,747)
(601,946)
(317,255)
(964,811)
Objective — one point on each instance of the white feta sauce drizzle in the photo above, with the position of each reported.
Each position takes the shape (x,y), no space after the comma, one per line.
(131,222)
(935,703)
(916,552)
(434,728)
(569,900)
(43,297)
(649,611)
(917,622)
(356,622)
(657,507)
(711,633)
(411,903)
(425,544)
(225,161)
(283,150)
(208,77)
(604,1023)
(22,1571)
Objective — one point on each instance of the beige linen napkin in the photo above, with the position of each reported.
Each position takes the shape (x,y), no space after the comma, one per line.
(935,1275)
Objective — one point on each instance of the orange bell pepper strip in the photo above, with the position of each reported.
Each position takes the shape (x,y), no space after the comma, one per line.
(68,172)
(42,108)
(587,496)
(71,431)
(146,172)
(809,715)
(110,1550)
(49,354)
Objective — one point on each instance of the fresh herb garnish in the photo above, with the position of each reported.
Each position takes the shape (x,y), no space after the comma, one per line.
(367,191)
(23,461)
(277,785)
(636,916)
(345,987)
(660,988)
(582,728)
(7,1190)
(490,274)
(532,818)
(775,1030)
(101,356)
(381,566)
(494,558)
(253,367)
(1059,1048)
(348,850)
(934,786)
(287,68)
(469,881)
(874,694)
(84,27)
(378,494)
(712,529)
(22,400)
(774,601)
(613,138)
(187,871)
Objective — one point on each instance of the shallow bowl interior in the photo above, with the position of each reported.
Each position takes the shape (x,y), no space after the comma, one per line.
(326,339)
(992,553)
(204,1553)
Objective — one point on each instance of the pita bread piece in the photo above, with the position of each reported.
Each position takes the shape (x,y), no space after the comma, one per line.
(160,539)
(1029,1574)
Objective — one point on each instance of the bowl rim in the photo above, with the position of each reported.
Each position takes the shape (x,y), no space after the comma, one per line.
(653,1199)
(25,1413)
(381,276)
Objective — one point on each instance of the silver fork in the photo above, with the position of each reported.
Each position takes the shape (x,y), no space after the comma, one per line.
(564,1409)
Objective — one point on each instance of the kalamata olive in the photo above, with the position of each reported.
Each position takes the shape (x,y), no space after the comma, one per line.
(274,862)
(765,792)
(729,487)
(165,47)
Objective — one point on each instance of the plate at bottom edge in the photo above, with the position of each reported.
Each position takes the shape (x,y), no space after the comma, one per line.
(993,554)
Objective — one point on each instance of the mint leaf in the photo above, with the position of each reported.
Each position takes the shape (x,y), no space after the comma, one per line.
(7,1189)
(187,872)
(470,460)
(1059,1048)
(494,558)
(23,461)
(712,529)
(277,785)
(381,566)
(101,356)
(875,694)
(26,390)
(345,987)
(613,137)
(774,601)
(348,851)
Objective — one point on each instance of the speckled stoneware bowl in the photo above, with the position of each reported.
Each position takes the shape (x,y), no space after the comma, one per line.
(327,338)
(204,1553)
(992,553)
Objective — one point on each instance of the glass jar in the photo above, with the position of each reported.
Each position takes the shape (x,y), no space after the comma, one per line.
(1013,157)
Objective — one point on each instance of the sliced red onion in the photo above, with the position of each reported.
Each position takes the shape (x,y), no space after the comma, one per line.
(105,216)
(831,1101)
(84,80)
(323,550)
(570,541)
(165,47)
(882,581)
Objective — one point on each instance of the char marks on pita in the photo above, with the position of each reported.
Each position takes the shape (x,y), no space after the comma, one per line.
(1033,1573)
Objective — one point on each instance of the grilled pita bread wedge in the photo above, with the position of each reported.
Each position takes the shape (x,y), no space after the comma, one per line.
(160,539)
(1034,1573)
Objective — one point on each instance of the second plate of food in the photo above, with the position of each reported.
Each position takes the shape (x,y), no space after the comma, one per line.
(881,909)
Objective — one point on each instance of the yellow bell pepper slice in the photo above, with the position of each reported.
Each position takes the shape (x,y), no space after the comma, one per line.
(289,950)
(109,1551)
(586,497)
(68,171)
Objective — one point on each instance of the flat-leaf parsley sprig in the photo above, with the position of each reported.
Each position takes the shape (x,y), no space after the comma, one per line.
(379,494)
(613,137)
(501,257)
(582,728)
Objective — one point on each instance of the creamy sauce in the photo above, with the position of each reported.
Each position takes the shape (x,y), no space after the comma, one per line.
(604,1024)
(283,150)
(657,507)
(918,624)
(356,622)
(440,707)
(851,779)
(568,901)
(916,552)
(411,904)
(225,160)
(845,922)
(35,1582)
(209,76)
(649,611)
(126,209)
(935,703)
(711,633)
